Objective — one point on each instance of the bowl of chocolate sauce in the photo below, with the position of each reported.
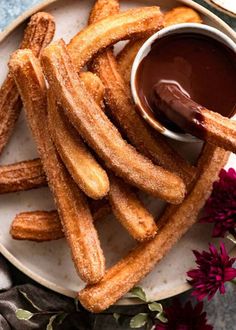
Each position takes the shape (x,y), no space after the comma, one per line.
(185,67)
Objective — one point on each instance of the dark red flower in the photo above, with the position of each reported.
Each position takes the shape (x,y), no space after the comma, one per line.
(185,317)
(214,269)
(220,208)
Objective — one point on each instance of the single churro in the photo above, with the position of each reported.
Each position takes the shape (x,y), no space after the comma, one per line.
(80,163)
(37,35)
(102,9)
(38,226)
(72,206)
(22,176)
(130,211)
(181,14)
(96,129)
(41,226)
(140,261)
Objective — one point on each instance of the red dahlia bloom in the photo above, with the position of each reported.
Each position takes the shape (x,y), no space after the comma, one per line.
(185,317)
(214,269)
(221,206)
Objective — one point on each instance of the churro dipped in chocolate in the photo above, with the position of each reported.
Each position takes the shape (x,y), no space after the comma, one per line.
(194,118)
(72,206)
(37,35)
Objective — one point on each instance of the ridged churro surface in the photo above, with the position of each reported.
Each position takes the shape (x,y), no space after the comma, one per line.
(37,35)
(22,176)
(41,226)
(82,166)
(101,134)
(108,31)
(130,211)
(140,261)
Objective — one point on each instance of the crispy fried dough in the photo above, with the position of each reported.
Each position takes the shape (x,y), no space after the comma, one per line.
(37,35)
(72,206)
(139,262)
(100,133)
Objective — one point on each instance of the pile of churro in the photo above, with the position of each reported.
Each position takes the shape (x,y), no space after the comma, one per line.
(95,150)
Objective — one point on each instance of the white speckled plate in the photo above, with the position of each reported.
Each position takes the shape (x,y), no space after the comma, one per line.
(50,263)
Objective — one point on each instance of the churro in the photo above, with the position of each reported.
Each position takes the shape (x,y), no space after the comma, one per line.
(37,35)
(96,129)
(22,176)
(94,87)
(80,163)
(181,14)
(72,206)
(130,211)
(41,226)
(125,58)
(38,226)
(140,261)
(102,9)
(127,55)
(129,24)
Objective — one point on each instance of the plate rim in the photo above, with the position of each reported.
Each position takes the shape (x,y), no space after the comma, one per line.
(221,8)
(7,254)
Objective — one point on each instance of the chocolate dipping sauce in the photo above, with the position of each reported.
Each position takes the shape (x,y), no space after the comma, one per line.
(198,69)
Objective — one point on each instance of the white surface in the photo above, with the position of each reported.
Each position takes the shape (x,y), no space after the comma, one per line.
(50,263)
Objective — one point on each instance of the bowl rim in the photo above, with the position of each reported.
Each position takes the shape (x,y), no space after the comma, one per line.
(196,28)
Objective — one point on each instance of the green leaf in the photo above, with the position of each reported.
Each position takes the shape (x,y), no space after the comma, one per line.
(22,314)
(139,320)
(232,238)
(116,317)
(52,318)
(155,307)
(139,293)
(30,301)
(161,317)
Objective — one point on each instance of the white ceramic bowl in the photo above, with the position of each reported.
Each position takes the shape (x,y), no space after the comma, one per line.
(145,49)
